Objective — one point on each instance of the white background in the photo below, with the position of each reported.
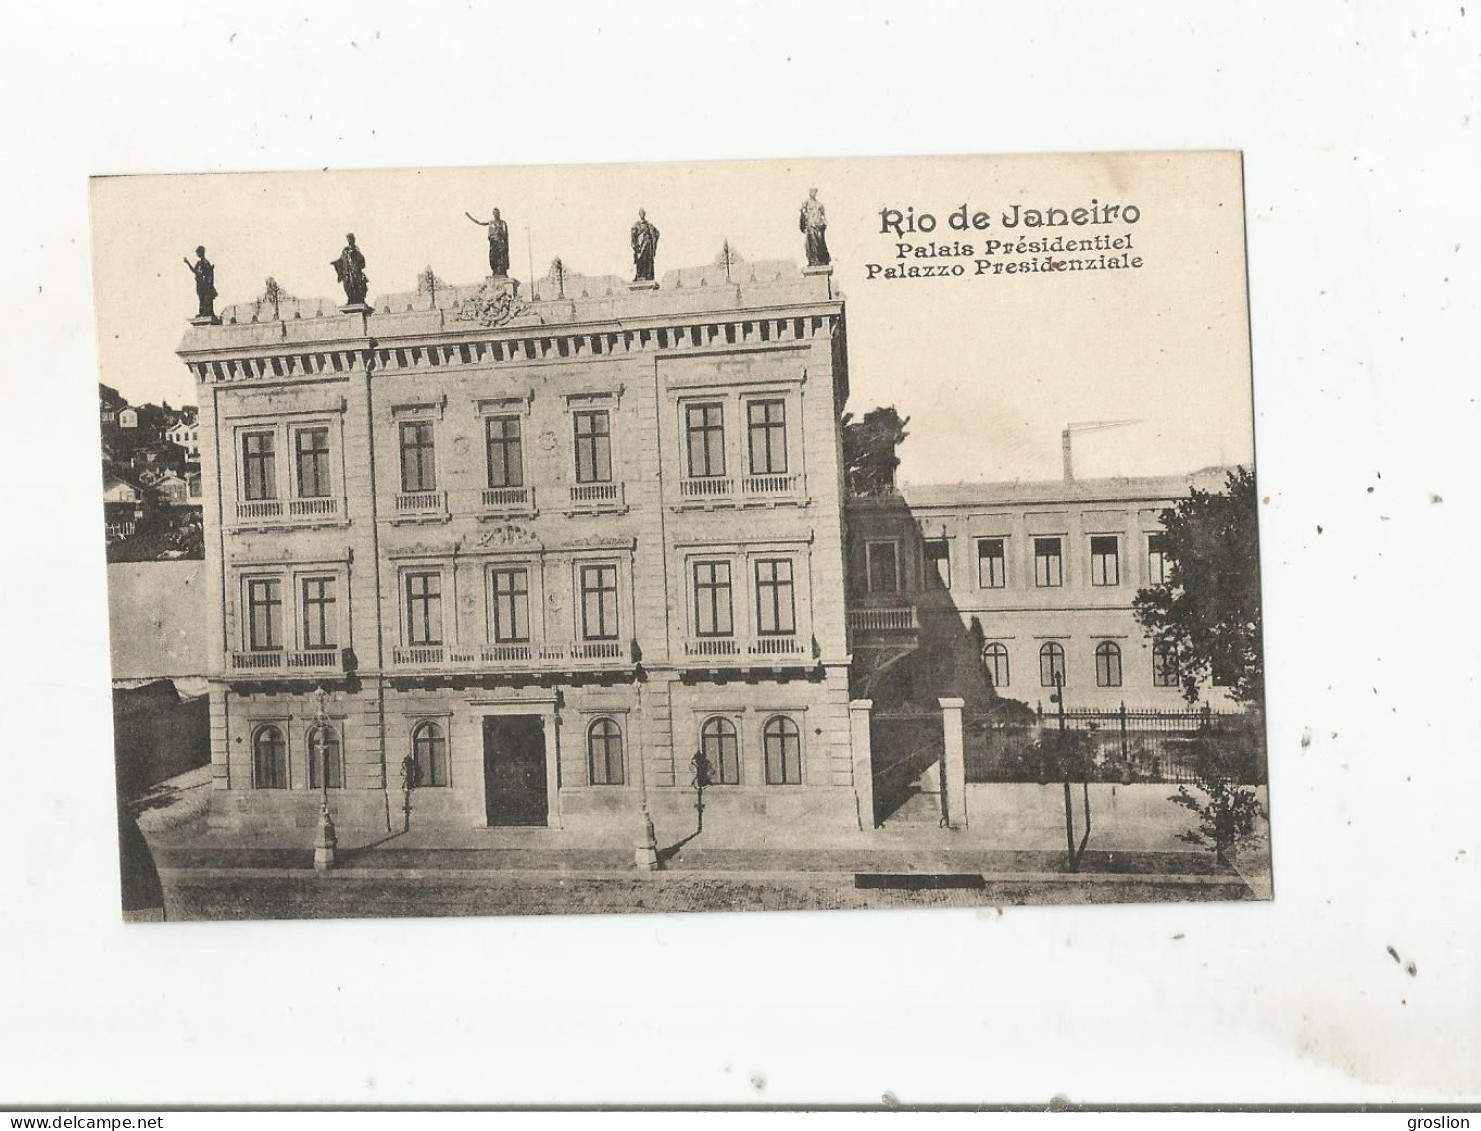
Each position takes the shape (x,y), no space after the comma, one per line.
(1363,147)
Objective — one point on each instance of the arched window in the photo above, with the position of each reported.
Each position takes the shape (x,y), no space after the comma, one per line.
(1164,666)
(783,744)
(1107,664)
(324,749)
(721,750)
(269,759)
(995,660)
(604,752)
(429,751)
(1051,663)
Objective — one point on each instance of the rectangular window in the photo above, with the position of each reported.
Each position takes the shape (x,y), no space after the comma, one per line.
(992,563)
(1158,566)
(418,456)
(1105,560)
(424,608)
(1164,666)
(505,452)
(1048,563)
(599,602)
(593,446)
(259,466)
(511,606)
(882,560)
(712,607)
(704,427)
(767,424)
(938,563)
(776,611)
(319,627)
(311,457)
(264,615)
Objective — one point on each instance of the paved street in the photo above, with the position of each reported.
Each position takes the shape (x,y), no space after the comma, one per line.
(279,894)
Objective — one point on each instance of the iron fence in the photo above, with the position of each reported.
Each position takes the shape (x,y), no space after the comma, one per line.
(1173,747)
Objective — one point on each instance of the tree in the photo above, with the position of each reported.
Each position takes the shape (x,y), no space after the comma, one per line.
(1207,612)
(869,459)
(1227,756)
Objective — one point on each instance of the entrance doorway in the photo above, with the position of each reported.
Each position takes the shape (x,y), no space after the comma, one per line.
(514,781)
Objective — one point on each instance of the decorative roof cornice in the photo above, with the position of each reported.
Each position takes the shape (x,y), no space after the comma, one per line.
(335,346)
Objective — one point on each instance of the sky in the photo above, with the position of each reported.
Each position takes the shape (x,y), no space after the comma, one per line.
(989,368)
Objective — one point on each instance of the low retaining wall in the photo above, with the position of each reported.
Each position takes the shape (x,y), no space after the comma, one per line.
(1027,816)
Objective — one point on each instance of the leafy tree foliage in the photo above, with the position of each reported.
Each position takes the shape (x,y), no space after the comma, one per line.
(1208,610)
(1227,756)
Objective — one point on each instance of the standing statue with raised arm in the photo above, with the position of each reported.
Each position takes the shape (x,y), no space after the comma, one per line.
(205,284)
(350,270)
(498,243)
(812,221)
(645,248)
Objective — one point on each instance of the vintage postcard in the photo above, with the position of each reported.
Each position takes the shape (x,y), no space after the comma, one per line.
(774,535)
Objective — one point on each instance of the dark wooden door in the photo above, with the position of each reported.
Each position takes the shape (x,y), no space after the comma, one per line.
(514,770)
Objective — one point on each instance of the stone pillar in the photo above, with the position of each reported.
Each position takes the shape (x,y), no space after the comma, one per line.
(858,721)
(954,765)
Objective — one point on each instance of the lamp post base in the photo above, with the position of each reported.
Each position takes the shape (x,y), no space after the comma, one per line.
(324,851)
(645,855)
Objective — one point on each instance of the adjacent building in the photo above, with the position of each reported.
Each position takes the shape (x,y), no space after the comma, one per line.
(185,435)
(537,554)
(1043,574)
(122,507)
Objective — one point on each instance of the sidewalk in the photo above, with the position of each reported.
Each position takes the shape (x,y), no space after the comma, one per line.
(403,855)
(182,843)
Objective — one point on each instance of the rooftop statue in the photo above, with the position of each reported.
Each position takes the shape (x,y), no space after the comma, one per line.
(350,270)
(498,243)
(645,248)
(812,221)
(205,283)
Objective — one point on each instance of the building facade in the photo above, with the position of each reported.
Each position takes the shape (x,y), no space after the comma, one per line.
(1046,571)
(537,554)
(122,508)
(185,434)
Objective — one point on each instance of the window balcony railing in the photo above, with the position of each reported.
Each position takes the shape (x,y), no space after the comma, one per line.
(520,657)
(301,510)
(418,654)
(764,485)
(421,503)
(897,618)
(707,488)
(318,507)
(711,646)
(260,508)
(776,646)
(596,650)
(508,500)
(596,496)
(311,659)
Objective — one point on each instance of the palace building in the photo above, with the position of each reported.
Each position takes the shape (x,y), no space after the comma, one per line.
(485,558)
(536,550)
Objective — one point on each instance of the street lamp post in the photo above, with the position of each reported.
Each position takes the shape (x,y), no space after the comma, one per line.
(645,852)
(324,851)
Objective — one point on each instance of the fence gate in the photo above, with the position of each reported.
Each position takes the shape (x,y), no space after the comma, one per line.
(907,750)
